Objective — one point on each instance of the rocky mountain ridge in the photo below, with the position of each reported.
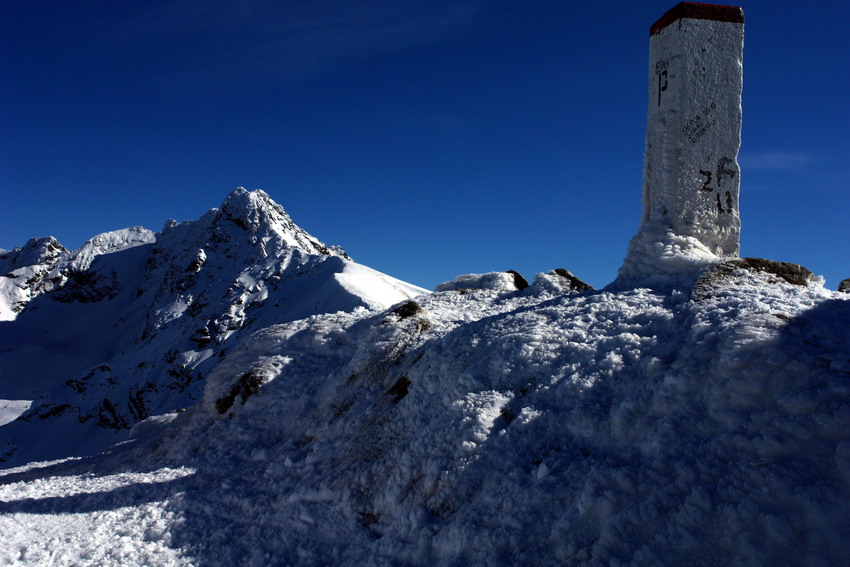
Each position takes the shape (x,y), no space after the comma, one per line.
(129,325)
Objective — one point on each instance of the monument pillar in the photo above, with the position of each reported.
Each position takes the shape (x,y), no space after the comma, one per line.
(691,172)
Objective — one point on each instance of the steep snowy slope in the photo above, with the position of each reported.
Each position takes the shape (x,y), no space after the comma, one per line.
(132,322)
(691,423)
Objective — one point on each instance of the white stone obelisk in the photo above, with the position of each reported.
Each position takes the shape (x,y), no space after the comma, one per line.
(691,173)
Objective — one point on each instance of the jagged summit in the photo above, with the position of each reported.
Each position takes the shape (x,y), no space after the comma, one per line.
(265,223)
(253,209)
(35,251)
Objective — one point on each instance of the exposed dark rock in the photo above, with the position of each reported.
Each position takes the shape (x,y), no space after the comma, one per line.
(54,411)
(519,281)
(575,283)
(408,309)
(400,389)
(844,286)
(238,222)
(182,378)
(201,337)
(109,417)
(247,386)
(8,450)
(78,386)
(137,403)
(195,308)
(778,272)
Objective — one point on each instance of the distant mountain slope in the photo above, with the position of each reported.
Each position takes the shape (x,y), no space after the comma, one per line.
(129,325)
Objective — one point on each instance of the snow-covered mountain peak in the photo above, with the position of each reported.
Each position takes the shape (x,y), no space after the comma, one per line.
(108,243)
(26,272)
(265,221)
(145,317)
(36,251)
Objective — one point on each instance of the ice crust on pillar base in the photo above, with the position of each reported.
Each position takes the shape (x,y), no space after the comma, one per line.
(691,172)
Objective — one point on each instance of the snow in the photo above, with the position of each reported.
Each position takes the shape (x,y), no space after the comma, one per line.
(377,290)
(500,281)
(641,424)
(658,257)
(622,426)
(10,410)
(43,264)
(112,519)
(108,243)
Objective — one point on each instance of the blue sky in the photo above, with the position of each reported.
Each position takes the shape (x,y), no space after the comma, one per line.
(428,138)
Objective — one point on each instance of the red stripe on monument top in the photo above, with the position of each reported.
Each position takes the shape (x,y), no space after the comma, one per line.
(697,11)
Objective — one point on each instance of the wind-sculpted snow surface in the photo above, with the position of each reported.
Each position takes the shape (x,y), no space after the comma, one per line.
(483,427)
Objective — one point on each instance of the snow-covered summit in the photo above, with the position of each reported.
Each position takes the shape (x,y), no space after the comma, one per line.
(43,264)
(255,218)
(36,251)
(257,213)
(25,273)
(107,243)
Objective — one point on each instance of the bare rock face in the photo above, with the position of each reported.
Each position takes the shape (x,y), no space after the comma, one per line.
(778,272)
(844,286)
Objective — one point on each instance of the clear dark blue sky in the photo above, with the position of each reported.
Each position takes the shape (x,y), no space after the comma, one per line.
(428,138)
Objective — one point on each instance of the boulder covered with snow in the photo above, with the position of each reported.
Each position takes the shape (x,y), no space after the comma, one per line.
(721,275)
(560,280)
(493,281)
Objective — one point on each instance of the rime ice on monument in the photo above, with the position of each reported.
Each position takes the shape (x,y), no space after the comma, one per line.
(691,173)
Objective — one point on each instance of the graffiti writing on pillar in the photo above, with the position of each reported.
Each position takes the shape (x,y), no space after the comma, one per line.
(707,174)
(661,71)
(721,172)
(699,124)
(721,210)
